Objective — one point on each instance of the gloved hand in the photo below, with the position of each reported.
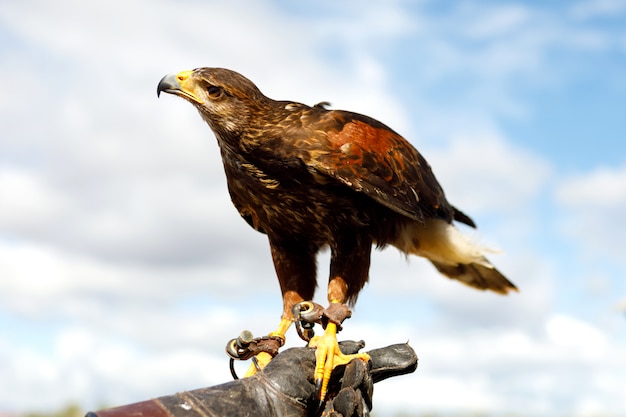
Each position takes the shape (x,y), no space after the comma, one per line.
(284,388)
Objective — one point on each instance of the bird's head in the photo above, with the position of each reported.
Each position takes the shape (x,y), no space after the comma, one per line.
(224,98)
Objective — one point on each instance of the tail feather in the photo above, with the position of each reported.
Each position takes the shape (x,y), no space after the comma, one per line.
(453,254)
(477,275)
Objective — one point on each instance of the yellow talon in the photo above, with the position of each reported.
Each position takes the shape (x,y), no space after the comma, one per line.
(328,356)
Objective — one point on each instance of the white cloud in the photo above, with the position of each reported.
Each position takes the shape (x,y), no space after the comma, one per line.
(500,371)
(594,205)
(43,281)
(92,369)
(485,172)
(28,202)
(603,187)
(589,9)
(581,337)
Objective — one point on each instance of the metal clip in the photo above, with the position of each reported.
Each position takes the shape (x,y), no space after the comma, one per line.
(306,314)
(246,346)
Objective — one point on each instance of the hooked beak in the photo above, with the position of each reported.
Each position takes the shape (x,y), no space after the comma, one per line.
(179,84)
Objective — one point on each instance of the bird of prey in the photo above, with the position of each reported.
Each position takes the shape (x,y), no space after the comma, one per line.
(310,178)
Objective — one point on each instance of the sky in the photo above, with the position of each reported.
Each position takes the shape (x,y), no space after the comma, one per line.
(124,268)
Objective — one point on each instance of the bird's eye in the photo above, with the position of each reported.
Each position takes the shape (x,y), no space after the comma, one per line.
(214,91)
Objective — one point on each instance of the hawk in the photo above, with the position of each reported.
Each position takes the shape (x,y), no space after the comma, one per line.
(310,178)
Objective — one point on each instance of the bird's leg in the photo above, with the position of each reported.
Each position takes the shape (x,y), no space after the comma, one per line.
(295,266)
(263,358)
(327,353)
(290,298)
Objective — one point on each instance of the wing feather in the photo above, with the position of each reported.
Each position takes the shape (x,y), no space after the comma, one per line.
(369,157)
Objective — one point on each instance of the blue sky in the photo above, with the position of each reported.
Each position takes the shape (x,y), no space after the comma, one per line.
(124,268)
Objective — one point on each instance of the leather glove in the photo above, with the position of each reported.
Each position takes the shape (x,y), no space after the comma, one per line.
(284,388)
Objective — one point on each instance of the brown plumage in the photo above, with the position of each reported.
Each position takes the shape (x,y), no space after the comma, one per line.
(308,177)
